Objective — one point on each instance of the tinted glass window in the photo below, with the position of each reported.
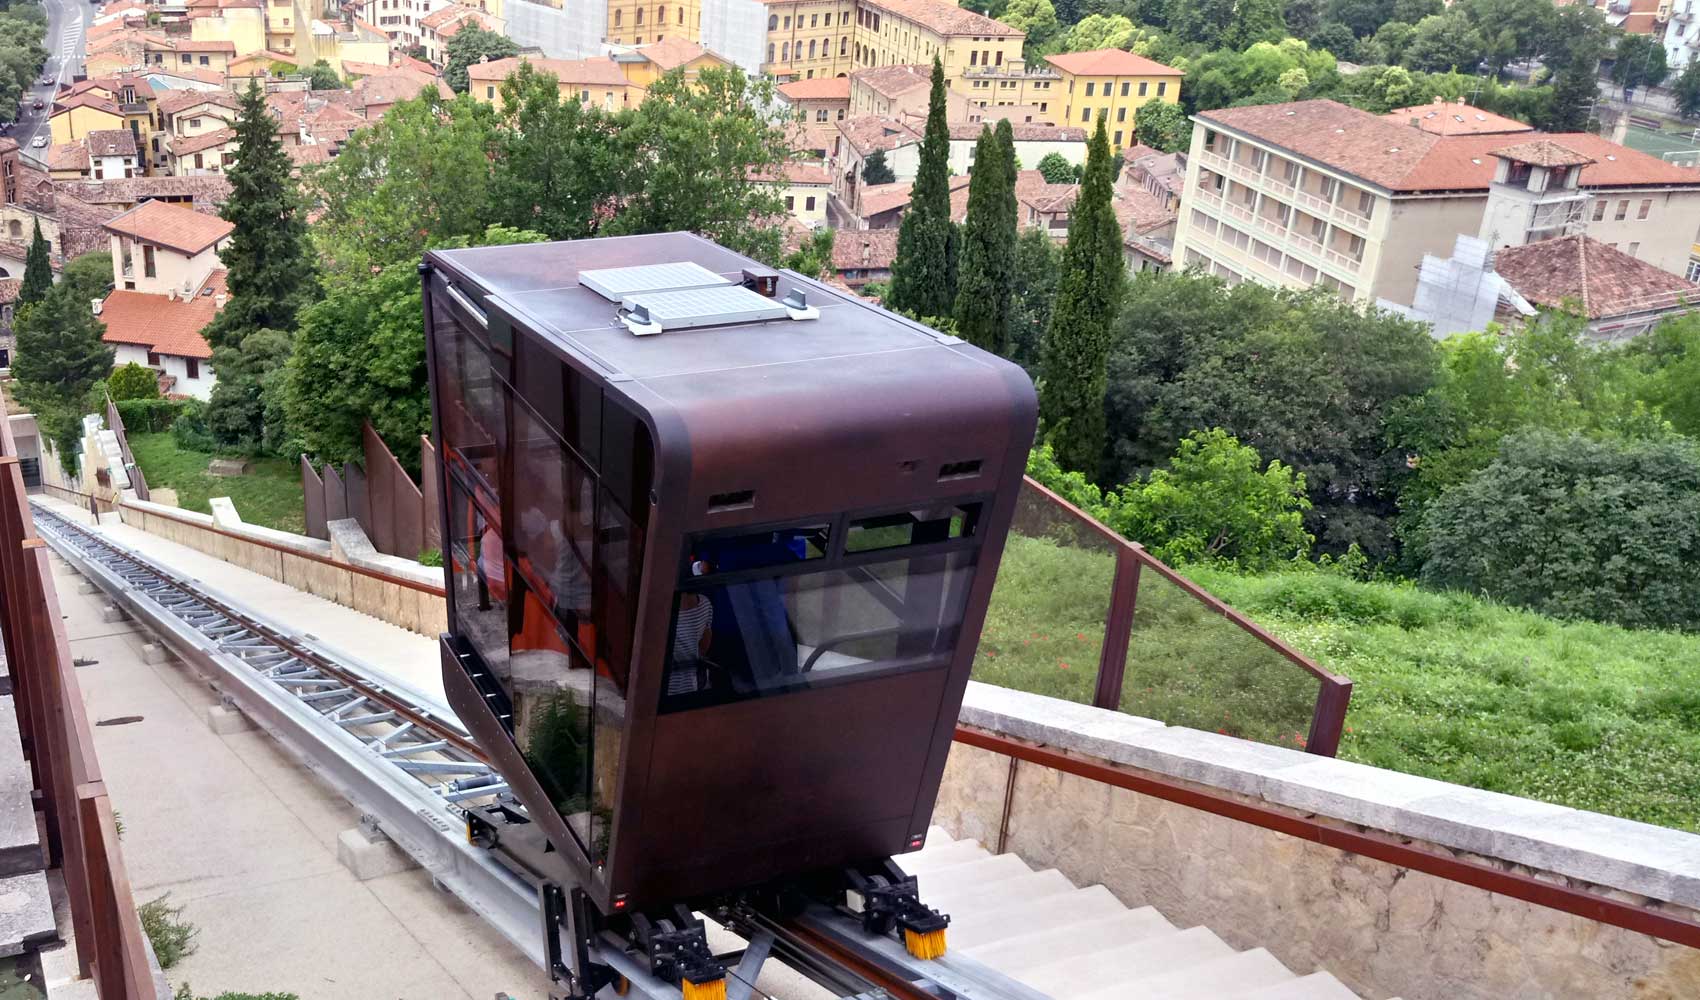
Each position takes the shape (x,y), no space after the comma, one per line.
(474,424)
(555,730)
(740,636)
(618,561)
(568,402)
(480,579)
(552,512)
(912,526)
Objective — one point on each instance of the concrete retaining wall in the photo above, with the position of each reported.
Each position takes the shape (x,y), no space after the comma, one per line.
(1382,929)
(301,562)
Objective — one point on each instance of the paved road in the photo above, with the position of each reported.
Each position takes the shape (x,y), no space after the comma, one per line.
(67,23)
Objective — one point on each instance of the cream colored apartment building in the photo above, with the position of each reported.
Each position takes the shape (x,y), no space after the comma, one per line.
(1317,193)
(639,22)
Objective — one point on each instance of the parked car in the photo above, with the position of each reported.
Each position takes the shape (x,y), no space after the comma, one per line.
(39,104)
(39,141)
(48,81)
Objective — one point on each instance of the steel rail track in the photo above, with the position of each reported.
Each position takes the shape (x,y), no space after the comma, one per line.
(413,772)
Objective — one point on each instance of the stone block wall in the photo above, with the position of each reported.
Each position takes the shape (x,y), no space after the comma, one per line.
(1382,929)
(301,562)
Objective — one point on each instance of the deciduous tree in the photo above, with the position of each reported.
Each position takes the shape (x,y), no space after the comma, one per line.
(1639,62)
(1057,170)
(472,44)
(320,76)
(1037,18)
(1162,125)
(559,168)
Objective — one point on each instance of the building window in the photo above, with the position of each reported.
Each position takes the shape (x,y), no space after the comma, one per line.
(1085,114)
(490,91)
(194,366)
(1143,85)
(974,58)
(809,204)
(16,228)
(661,13)
(1599,210)
(640,15)
(843,44)
(1635,249)
(1646,206)
(1118,137)
(194,123)
(769,51)
(153,359)
(785,52)
(1693,270)
(772,21)
(1089,87)
(1622,210)
(148,269)
(820,115)
(1121,114)
(206,60)
(814,20)
(811,48)
(790,203)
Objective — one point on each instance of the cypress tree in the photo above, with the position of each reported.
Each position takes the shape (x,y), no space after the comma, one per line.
(1071,392)
(923,277)
(270,271)
(988,249)
(38,271)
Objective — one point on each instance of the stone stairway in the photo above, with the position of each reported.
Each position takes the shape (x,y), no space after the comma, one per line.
(1083,944)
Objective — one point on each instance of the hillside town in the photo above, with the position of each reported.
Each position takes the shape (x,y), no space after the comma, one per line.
(1359,346)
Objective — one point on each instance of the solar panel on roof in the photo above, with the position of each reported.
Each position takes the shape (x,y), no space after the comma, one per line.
(679,310)
(615,283)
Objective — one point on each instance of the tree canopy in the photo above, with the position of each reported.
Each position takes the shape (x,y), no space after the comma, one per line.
(923,275)
(473,44)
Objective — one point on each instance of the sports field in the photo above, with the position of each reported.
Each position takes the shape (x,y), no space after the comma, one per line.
(1669,143)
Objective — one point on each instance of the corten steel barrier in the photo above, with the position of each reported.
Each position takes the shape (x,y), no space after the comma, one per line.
(82,833)
(1166,648)
(115,424)
(398,516)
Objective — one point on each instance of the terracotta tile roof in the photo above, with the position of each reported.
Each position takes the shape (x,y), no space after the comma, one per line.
(893,81)
(400,61)
(173,101)
(182,229)
(1544,153)
(671,53)
(184,145)
(944,18)
(864,249)
(1442,118)
(68,156)
(204,189)
(1031,188)
(443,15)
(1401,158)
(1023,131)
(301,156)
(163,325)
(878,199)
(596,72)
(393,85)
(868,133)
(1109,62)
(88,99)
(797,172)
(268,56)
(20,251)
(111,142)
(1139,211)
(821,88)
(1607,282)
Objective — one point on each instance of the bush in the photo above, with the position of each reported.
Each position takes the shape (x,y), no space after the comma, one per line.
(132,381)
(1605,529)
(190,429)
(146,416)
(171,938)
(185,992)
(431,557)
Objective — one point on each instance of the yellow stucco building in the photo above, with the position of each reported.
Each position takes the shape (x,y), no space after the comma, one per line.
(75,117)
(637,22)
(893,32)
(596,82)
(645,64)
(1113,85)
(809,39)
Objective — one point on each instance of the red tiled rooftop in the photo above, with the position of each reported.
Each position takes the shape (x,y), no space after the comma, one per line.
(944,17)
(1605,281)
(1109,62)
(161,324)
(597,72)
(821,88)
(182,229)
(1442,118)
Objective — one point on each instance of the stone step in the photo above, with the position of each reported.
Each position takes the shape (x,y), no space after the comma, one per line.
(932,859)
(1224,977)
(1316,986)
(26,913)
(985,871)
(1027,889)
(978,927)
(1081,937)
(1108,973)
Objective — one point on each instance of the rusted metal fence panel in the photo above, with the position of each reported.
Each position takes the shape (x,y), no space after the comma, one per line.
(313,501)
(81,831)
(1082,613)
(398,516)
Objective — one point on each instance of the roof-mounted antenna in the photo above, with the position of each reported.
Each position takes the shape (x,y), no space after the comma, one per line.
(796,302)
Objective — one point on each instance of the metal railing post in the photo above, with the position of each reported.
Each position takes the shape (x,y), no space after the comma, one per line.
(1118,628)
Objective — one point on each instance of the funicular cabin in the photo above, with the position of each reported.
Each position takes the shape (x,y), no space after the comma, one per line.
(718,543)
